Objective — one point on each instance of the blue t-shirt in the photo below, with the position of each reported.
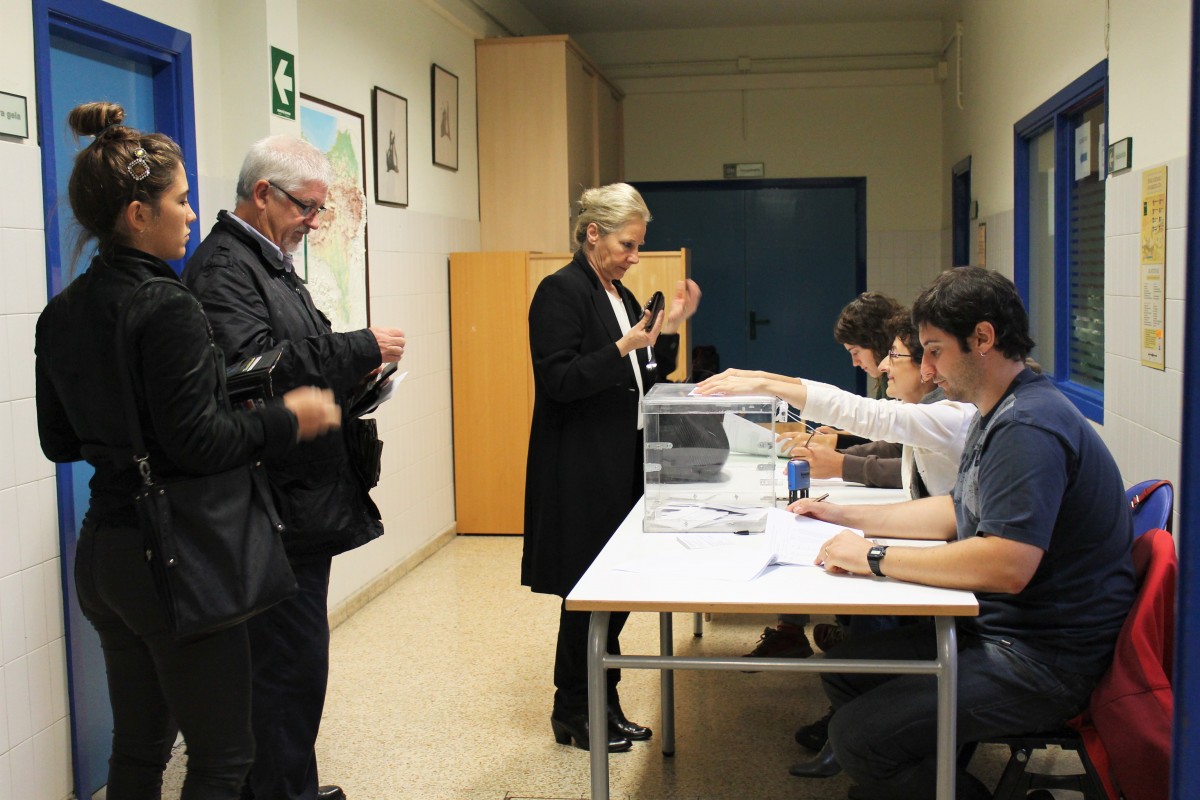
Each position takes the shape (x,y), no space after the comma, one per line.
(1035,471)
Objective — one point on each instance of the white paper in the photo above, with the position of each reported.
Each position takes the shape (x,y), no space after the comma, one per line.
(698,516)
(789,541)
(745,436)
(797,540)
(712,563)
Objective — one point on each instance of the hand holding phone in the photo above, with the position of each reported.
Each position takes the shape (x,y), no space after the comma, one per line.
(654,307)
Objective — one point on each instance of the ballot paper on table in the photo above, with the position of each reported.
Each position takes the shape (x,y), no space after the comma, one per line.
(789,541)
(704,516)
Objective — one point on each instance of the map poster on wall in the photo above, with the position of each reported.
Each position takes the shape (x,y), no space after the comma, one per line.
(1153,251)
(333,258)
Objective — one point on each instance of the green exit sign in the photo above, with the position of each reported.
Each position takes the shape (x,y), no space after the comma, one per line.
(283,84)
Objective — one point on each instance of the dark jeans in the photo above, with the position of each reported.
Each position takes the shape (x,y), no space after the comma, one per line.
(859,624)
(884,727)
(570,659)
(289,645)
(156,683)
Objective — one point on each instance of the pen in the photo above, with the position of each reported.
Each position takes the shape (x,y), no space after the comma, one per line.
(809,439)
(822,497)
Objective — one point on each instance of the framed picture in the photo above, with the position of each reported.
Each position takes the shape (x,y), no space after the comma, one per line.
(445,118)
(333,258)
(391,147)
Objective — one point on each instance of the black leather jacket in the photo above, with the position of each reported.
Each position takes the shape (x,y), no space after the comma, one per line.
(254,304)
(188,429)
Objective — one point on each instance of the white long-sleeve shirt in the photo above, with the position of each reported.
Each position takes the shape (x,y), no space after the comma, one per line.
(933,434)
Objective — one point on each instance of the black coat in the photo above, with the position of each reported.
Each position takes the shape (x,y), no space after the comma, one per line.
(585,456)
(187,427)
(255,304)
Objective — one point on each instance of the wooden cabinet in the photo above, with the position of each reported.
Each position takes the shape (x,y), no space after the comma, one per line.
(549,126)
(492,378)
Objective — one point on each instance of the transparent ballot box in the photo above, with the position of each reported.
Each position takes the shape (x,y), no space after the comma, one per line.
(710,462)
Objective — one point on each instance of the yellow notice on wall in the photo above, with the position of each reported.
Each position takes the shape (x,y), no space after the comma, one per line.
(1154,266)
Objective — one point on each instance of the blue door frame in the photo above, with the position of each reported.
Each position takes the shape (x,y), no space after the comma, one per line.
(1185,765)
(164,54)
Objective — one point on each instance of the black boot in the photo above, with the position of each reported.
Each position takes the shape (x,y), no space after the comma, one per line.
(568,727)
(825,765)
(618,725)
(814,735)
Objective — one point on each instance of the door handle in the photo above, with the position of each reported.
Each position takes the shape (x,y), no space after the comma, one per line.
(754,323)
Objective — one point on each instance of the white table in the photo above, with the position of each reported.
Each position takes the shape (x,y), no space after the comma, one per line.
(790,590)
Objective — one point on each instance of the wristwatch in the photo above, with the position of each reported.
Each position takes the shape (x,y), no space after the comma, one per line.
(874,556)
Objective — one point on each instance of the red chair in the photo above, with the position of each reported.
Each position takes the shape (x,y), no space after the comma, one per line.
(1123,738)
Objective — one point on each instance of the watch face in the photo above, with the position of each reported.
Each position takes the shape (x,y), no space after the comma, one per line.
(874,556)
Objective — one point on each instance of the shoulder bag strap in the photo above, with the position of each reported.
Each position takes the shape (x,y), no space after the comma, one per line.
(141,455)
(1141,496)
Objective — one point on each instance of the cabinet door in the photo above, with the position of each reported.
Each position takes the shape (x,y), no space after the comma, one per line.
(489,343)
(581,129)
(521,104)
(610,134)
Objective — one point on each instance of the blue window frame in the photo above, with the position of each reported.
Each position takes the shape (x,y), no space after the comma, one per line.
(1061,277)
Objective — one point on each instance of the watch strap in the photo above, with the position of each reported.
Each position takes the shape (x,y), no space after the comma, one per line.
(874,556)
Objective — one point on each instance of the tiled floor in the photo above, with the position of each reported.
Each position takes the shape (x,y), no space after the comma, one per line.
(441,687)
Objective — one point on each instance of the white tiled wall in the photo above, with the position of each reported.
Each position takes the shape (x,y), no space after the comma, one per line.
(34,730)
(901,263)
(1143,407)
(409,276)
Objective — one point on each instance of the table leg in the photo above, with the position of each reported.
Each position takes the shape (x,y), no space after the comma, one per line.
(698,624)
(666,647)
(598,703)
(947,735)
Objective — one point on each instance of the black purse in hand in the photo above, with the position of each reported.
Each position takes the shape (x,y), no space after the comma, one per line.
(213,542)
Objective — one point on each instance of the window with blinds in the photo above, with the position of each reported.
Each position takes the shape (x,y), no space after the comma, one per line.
(1085,281)
(1059,235)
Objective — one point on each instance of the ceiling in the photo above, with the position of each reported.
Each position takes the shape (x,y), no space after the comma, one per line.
(575,17)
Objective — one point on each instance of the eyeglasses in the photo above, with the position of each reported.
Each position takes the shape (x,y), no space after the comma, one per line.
(308,211)
(892,354)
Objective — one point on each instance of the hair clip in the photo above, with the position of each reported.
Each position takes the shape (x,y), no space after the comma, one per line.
(139,169)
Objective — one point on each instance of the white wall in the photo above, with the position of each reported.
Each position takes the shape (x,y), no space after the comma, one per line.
(34,737)
(1014,59)
(817,101)
(342,51)
(391,44)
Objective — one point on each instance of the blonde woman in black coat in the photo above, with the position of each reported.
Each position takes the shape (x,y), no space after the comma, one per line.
(588,341)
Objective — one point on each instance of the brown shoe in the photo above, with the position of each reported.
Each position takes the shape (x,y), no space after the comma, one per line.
(784,641)
(826,635)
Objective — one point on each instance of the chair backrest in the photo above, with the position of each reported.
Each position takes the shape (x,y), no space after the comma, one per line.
(1152,503)
(1132,705)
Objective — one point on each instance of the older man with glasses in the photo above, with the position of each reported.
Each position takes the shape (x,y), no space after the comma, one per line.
(243,275)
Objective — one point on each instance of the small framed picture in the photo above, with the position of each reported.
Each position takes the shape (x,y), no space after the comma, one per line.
(390,112)
(445,118)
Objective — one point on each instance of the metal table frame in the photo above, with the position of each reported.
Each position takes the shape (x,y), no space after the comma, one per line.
(944,667)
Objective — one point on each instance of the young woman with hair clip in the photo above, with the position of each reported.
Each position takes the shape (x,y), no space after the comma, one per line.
(129,193)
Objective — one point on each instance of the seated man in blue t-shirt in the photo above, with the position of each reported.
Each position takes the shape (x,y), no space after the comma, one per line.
(1042,536)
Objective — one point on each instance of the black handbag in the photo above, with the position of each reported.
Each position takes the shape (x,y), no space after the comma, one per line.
(213,542)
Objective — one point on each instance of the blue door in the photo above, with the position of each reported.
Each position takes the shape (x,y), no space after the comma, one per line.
(776,261)
(88,50)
